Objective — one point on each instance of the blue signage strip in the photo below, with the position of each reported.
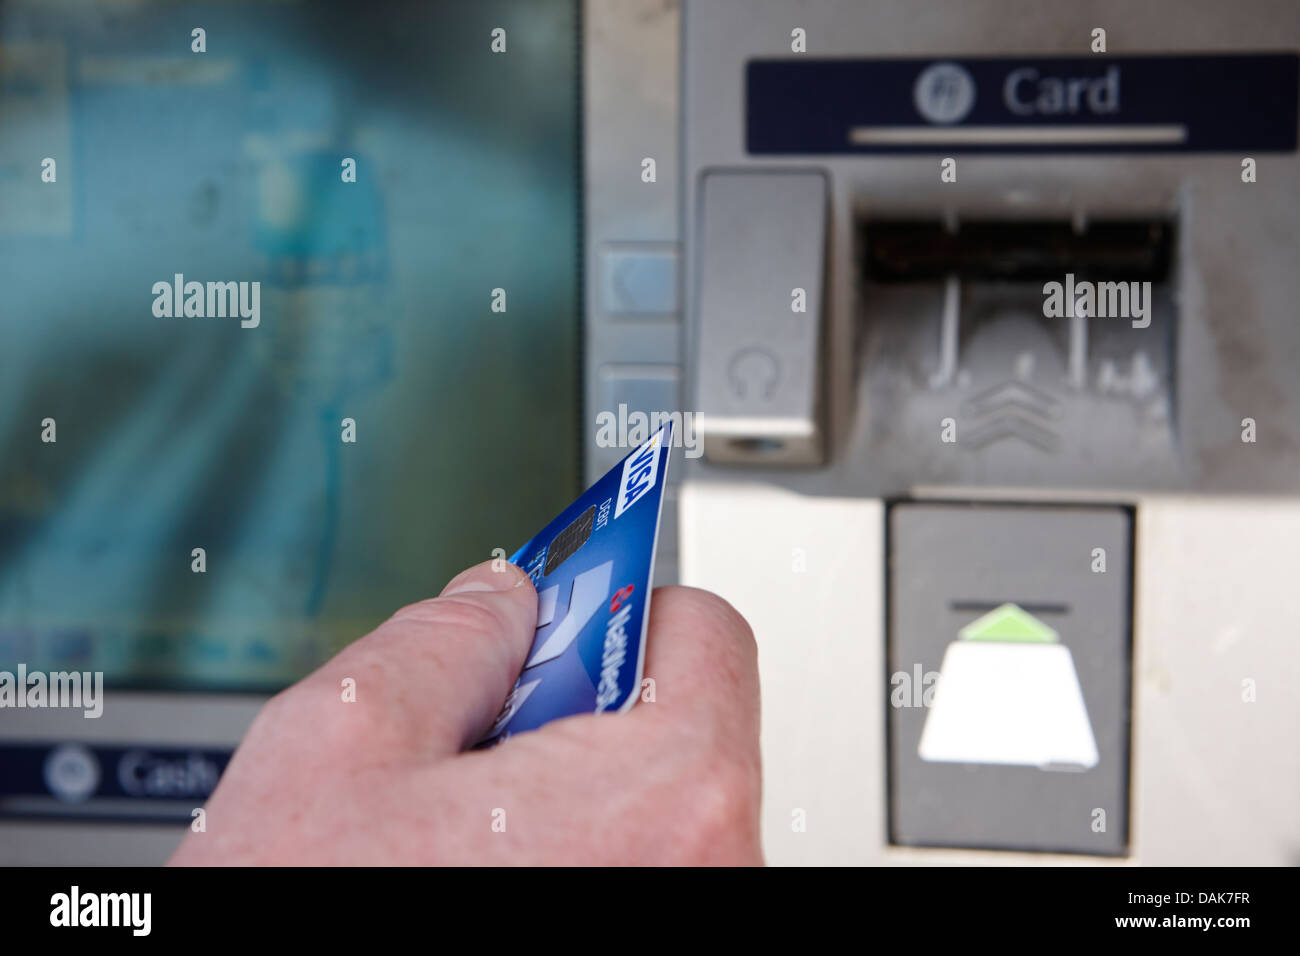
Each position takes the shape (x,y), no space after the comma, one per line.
(80,781)
(1110,104)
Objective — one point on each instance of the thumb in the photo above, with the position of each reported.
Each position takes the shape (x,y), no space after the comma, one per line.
(447,663)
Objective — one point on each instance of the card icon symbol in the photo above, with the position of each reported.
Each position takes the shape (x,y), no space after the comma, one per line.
(1008,693)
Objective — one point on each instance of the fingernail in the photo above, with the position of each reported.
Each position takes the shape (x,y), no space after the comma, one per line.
(483,578)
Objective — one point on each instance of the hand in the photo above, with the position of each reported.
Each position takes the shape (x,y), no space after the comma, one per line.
(387,779)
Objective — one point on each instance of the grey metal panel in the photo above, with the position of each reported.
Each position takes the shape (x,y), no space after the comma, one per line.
(156,718)
(950,564)
(631,227)
(632,244)
(88,844)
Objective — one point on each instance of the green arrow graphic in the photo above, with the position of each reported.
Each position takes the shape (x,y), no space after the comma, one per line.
(1008,624)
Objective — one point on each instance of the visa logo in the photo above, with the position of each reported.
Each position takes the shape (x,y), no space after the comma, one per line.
(639,473)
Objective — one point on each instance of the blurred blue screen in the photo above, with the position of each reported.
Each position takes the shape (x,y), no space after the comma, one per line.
(376,305)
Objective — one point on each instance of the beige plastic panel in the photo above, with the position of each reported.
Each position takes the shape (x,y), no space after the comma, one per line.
(1215,780)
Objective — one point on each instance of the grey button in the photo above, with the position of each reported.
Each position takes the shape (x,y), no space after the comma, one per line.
(1001,612)
(761,237)
(627,391)
(639,281)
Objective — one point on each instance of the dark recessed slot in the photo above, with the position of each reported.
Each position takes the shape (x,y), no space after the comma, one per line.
(1118,250)
(1030,607)
(757,446)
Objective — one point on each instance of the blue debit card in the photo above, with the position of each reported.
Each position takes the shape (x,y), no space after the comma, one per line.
(592,567)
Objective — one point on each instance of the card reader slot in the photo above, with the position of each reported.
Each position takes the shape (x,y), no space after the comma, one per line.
(918,250)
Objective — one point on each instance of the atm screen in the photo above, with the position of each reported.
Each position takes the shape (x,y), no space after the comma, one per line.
(290,322)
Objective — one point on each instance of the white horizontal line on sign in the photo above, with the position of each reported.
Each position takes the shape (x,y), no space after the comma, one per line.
(1014,135)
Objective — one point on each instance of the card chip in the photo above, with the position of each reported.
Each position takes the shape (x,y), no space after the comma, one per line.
(567,542)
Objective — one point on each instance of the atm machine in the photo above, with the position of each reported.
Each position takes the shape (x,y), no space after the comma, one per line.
(1021,578)
(1020,567)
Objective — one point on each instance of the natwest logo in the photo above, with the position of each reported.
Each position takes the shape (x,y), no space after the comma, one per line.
(621,595)
(944,93)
